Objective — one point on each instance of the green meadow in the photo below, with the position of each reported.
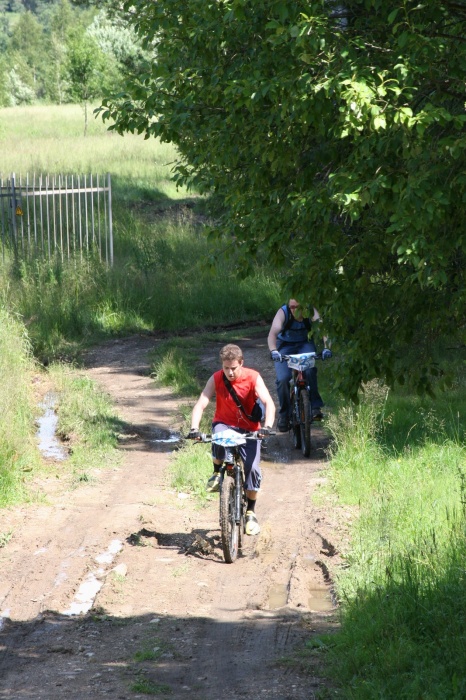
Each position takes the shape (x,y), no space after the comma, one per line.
(49,140)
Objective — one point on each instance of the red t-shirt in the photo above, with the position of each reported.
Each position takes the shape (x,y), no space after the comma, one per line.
(226,411)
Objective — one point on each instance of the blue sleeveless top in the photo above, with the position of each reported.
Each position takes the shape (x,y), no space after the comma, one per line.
(293,331)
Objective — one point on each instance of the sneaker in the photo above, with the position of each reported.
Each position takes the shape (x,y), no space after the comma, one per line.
(252,526)
(317,414)
(213,484)
(283,425)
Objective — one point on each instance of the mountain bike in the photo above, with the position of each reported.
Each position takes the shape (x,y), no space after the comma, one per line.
(300,398)
(233,500)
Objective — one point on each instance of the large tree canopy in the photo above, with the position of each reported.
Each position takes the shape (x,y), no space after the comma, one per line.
(335,136)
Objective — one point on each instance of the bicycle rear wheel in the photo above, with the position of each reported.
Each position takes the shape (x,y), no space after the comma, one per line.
(230,531)
(305,422)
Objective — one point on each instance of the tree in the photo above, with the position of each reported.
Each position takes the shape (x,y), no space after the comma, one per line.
(119,43)
(4,32)
(5,98)
(27,45)
(335,137)
(85,63)
(62,24)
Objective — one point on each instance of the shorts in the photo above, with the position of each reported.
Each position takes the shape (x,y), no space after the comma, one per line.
(250,454)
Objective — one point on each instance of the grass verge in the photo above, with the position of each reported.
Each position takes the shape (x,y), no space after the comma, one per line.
(19,457)
(400,463)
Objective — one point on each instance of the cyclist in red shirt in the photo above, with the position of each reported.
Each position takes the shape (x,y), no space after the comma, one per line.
(248,386)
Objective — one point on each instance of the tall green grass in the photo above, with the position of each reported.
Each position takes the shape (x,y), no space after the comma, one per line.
(162,278)
(400,462)
(161,284)
(18,450)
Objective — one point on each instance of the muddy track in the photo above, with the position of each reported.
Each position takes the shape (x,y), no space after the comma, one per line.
(118,588)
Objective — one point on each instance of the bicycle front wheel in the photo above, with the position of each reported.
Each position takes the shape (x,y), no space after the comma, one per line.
(295,422)
(305,422)
(230,531)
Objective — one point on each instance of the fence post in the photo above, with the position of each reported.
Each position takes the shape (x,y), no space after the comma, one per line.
(13,217)
(110,224)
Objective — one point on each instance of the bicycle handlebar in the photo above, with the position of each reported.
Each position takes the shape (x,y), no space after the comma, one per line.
(304,355)
(255,435)
(315,355)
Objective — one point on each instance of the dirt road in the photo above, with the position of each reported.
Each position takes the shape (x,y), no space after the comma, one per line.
(118,588)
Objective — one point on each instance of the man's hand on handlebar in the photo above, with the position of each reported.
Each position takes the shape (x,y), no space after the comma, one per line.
(264,432)
(275,356)
(326,354)
(194,435)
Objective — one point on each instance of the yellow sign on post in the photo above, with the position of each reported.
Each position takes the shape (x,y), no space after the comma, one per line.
(19,211)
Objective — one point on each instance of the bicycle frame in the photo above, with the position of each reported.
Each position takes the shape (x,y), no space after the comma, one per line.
(300,396)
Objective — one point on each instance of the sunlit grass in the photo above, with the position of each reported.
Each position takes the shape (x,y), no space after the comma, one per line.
(191,468)
(173,370)
(159,282)
(49,140)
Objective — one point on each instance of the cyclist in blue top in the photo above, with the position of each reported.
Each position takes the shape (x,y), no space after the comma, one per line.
(289,335)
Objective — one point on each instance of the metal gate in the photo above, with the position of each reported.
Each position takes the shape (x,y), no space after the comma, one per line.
(59,215)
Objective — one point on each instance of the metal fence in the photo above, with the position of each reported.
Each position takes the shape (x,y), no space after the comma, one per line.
(59,215)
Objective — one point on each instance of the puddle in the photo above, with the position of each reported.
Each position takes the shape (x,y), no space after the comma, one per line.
(49,446)
(320,599)
(278,596)
(108,556)
(4,615)
(171,437)
(87,591)
(85,596)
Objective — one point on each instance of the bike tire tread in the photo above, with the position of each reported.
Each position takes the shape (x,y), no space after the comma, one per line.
(305,422)
(227,495)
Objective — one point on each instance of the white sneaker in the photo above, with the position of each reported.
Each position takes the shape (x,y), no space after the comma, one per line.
(252,526)
(213,484)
